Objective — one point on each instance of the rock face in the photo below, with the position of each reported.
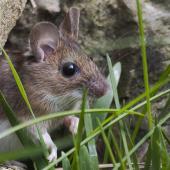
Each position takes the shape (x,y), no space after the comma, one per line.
(10,11)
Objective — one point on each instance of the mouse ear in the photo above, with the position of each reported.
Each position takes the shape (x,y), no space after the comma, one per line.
(44,39)
(70,24)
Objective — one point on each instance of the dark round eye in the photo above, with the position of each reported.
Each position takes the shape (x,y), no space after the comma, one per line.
(69,69)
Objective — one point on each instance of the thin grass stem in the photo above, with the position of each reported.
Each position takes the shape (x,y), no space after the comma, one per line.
(144,61)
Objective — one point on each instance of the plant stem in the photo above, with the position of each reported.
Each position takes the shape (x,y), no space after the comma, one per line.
(144,61)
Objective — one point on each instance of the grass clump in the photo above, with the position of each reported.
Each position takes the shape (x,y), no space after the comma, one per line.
(119,152)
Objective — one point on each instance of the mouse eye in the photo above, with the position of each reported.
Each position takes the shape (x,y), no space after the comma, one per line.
(69,69)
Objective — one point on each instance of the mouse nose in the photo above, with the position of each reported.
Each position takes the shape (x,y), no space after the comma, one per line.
(98,87)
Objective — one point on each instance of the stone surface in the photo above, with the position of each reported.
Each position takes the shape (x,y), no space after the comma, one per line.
(49,5)
(10,11)
(13,165)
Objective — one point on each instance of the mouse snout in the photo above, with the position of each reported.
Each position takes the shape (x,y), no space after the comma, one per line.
(98,87)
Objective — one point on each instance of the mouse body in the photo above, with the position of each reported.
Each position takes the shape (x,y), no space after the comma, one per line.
(53,78)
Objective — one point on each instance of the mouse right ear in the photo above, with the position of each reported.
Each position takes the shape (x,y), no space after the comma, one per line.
(70,24)
(44,39)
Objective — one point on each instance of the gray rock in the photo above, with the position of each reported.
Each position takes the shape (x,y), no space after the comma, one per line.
(10,11)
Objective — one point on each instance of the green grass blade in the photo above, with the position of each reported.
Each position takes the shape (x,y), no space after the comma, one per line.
(85,163)
(117,150)
(131,144)
(75,163)
(165,156)
(116,99)
(106,100)
(106,153)
(106,141)
(162,78)
(81,121)
(78,138)
(65,162)
(27,152)
(113,83)
(144,60)
(91,144)
(155,149)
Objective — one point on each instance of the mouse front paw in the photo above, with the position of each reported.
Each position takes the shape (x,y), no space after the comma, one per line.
(72,123)
(53,153)
(51,147)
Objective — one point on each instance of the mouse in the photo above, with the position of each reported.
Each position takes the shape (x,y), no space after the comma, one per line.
(53,78)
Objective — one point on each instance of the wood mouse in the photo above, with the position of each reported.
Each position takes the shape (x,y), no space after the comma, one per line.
(53,79)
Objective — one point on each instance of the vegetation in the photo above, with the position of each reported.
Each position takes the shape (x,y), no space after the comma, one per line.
(119,152)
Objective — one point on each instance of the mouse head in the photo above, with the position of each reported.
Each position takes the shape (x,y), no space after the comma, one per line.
(61,66)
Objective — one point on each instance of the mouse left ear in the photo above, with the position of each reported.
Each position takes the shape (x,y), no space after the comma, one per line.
(44,40)
(70,24)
